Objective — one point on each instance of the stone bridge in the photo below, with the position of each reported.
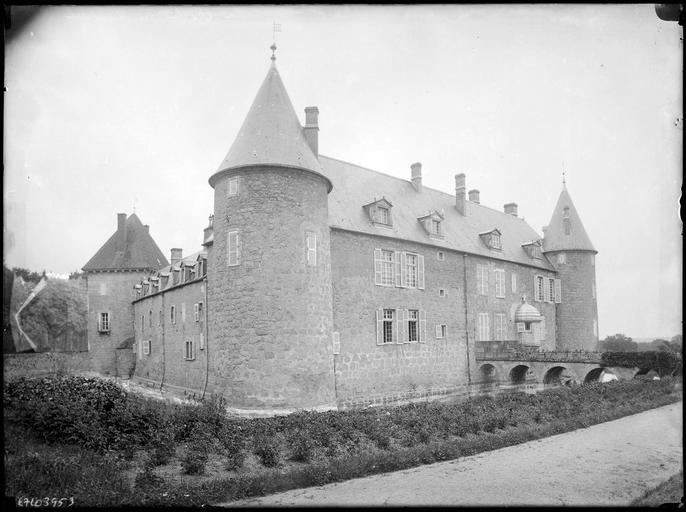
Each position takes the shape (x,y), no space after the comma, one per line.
(509,364)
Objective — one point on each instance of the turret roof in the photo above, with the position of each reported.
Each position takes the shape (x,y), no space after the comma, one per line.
(557,236)
(271,133)
(138,252)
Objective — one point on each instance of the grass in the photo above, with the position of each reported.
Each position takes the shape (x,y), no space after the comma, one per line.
(671,491)
(199,456)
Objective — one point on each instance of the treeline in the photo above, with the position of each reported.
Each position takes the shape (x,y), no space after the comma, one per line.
(623,343)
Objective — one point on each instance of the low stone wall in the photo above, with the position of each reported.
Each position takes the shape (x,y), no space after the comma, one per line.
(45,363)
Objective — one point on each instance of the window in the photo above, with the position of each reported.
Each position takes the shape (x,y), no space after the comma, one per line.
(172,314)
(440,255)
(189,352)
(146,347)
(495,241)
(233,248)
(311,242)
(500,326)
(565,221)
(383,215)
(199,311)
(500,282)
(388,315)
(404,269)
(183,312)
(202,341)
(150,319)
(536,251)
(383,267)
(411,262)
(514,283)
(435,227)
(441,292)
(412,319)
(484,334)
(142,323)
(562,258)
(539,289)
(441,331)
(482,279)
(104,322)
(550,296)
(196,312)
(233,186)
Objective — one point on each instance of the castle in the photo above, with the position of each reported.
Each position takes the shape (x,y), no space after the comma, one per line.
(322,284)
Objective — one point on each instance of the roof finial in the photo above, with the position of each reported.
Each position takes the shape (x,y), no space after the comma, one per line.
(564,182)
(276,28)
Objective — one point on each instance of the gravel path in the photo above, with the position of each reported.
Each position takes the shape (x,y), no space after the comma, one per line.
(607,464)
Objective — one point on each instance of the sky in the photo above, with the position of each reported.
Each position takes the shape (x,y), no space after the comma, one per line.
(111,109)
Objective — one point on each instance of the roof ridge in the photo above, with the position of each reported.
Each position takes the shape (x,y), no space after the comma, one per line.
(409,182)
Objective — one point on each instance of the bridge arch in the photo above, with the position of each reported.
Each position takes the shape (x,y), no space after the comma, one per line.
(554,376)
(518,374)
(600,375)
(488,373)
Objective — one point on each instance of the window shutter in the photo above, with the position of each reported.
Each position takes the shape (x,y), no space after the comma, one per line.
(336,342)
(202,341)
(396,322)
(377,266)
(558,291)
(403,270)
(403,330)
(183,312)
(514,283)
(422,326)
(438,330)
(398,268)
(420,271)
(546,291)
(536,289)
(238,248)
(99,321)
(379,326)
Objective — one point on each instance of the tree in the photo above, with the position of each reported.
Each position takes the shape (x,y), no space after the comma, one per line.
(618,343)
(674,345)
(27,275)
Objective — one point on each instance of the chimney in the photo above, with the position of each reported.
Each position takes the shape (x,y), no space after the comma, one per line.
(311,129)
(176,255)
(510,209)
(474,196)
(417,176)
(121,232)
(460,188)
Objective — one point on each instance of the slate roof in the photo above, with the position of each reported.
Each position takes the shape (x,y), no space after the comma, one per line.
(271,133)
(555,237)
(355,186)
(190,259)
(140,251)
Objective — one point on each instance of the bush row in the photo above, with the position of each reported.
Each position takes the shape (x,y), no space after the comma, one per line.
(665,363)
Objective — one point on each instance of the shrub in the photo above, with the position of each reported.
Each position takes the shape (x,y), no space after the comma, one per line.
(301,445)
(267,450)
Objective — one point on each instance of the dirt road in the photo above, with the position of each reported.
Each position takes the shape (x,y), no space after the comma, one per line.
(607,464)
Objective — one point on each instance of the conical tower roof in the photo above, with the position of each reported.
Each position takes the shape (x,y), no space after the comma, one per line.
(271,133)
(565,232)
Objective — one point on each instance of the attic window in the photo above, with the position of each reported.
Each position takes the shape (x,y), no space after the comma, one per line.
(379,212)
(433,224)
(492,239)
(533,249)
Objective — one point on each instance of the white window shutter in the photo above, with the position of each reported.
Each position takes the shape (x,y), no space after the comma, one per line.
(403,270)
(396,322)
(546,291)
(558,291)
(420,271)
(403,331)
(238,248)
(514,283)
(377,266)
(398,268)
(379,326)
(202,341)
(336,342)
(438,330)
(422,326)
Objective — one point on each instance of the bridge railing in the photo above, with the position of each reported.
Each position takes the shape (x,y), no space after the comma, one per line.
(514,351)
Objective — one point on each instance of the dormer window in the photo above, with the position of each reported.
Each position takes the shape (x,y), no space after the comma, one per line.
(379,212)
(492,239)
(433,224)
(533,249)
(565,221)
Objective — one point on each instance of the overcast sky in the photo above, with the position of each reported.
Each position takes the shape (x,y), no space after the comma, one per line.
(111,107)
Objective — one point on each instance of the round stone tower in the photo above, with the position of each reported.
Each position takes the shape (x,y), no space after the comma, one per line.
(270,312)
(571,252)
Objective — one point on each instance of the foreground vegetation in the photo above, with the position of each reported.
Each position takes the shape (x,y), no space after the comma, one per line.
(90,439)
